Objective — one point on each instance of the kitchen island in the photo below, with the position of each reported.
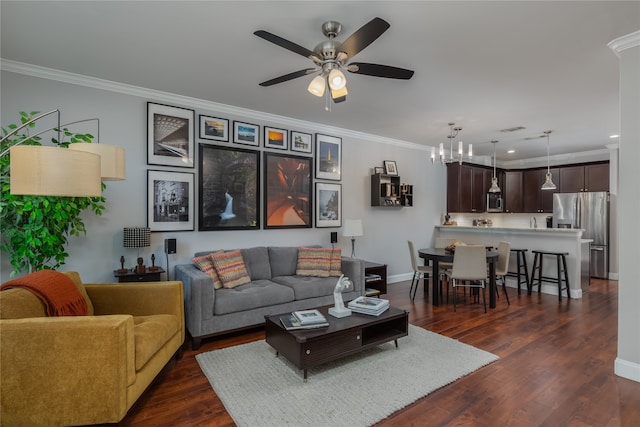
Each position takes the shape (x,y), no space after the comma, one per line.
(544,239)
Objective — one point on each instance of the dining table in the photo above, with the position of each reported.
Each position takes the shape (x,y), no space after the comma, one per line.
(434,256)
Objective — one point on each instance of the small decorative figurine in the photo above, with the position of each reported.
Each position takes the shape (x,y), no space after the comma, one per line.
(153,263)
(122,270)
(140,268)
(339,310)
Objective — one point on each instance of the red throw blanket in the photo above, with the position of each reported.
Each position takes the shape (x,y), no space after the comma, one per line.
(56,290)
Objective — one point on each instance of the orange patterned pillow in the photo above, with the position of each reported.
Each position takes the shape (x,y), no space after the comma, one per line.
(230,268)
(314,262)
(335,268)
(205,264)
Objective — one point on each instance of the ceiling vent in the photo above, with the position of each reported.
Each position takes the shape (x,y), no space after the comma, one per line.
(513,129)
(531,138)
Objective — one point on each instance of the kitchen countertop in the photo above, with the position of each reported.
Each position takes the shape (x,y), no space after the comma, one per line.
(513,229)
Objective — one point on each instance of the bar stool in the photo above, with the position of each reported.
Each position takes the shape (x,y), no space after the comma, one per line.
(521,263)
(561,261)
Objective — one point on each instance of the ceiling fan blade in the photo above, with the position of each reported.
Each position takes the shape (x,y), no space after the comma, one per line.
(293,47)
(288,77)
(363,37)
(378,70)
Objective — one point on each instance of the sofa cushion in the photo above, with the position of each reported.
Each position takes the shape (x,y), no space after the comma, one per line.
(308,286)
(259,293)
(256,261)
(230,268)
(151,333)
(335,268)
(205,264)
(18,303)
(75,278)
(314,262)
(284,260)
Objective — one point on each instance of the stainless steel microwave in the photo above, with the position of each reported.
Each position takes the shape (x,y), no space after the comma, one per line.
(494,202)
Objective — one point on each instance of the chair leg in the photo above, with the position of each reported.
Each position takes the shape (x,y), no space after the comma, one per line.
(454,294)
(484,300)
(504,288)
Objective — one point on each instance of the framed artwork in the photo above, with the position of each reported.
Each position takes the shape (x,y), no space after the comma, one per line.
(170,135)
(246,133)
(214,128)
(390,167)
(328,157)
(170,201)
(328,205)
(378,170)
(301,142)
(287,189)
(229,188)
(275,138)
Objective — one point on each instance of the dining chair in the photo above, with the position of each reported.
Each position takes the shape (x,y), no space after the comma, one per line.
(502,267)
(419,271)
(444,267)
(469,270)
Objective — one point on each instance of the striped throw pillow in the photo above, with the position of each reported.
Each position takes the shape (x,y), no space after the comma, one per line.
(205,264)
(230,268)
(314,262)
(335,268)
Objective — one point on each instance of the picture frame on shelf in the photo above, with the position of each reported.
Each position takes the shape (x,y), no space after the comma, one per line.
(287,188)
(390,167)
(275,138)
(228,188)
(328,157)
(214,128)
(378,170)
(246,133)
(170,199)
(173,147)
(328,205)
(301,142)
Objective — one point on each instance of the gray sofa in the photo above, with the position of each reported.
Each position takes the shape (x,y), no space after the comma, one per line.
(274,288)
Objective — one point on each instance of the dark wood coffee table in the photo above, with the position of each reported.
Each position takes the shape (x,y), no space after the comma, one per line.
(345,336)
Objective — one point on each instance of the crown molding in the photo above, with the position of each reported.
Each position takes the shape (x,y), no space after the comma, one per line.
(625,42)
(195,103)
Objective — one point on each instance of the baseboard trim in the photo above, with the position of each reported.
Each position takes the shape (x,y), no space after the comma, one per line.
(625,369)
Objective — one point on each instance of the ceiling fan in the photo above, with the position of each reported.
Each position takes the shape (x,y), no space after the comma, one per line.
(331,56)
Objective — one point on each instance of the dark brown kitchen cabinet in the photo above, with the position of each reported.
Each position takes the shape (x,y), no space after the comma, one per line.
(512,191)
(536,200)
(467,187)
(590,177)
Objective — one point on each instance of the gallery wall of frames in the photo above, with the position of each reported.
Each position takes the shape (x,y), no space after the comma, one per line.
(249,177)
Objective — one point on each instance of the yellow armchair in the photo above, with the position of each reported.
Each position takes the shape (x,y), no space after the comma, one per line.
(86,369)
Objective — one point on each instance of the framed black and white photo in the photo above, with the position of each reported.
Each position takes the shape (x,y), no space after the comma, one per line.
(301,142)
(246,133)
(275,138)
(170,135)
(229,188)
(287,188)
(170,199)
(328,205)
(328,157)
(390,167)
(214,128)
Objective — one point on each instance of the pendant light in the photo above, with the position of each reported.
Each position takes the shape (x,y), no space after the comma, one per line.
(548,182)
(494,181)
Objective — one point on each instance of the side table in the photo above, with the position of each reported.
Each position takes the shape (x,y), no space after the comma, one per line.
(375,276)
(132,276)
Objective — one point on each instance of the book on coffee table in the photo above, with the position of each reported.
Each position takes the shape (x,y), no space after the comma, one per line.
(309,317)
(291,323)
(368,305)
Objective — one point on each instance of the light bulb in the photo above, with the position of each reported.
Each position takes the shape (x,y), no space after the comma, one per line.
(337,80)
(317,85)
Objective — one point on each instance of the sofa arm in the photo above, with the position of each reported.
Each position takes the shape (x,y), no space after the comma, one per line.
(353,268)
(137,299)
(199,296)
(75,369)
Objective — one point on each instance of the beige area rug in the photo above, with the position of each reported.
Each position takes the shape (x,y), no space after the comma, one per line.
(259,389)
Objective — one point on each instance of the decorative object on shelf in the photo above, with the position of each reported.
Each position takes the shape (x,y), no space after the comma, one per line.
(453,133)
(137,237)
(494,181)
(275,138)
(331,56)
(246,133)
(153,263)
(378,170)
(288,191)
(170,198)
(229,188)
(214,128)
(122,270)
(390,167)
(352,228)
(339,309)
(302,142)
(170,139)
(328,157)
(548,182)
(328,205)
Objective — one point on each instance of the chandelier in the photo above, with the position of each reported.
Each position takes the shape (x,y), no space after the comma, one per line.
(453,133)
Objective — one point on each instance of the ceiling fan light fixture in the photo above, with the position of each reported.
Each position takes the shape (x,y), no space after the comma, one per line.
(339,95)
(317,86)
(337,80)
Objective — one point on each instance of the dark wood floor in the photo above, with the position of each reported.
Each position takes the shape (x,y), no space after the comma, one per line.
(555,368)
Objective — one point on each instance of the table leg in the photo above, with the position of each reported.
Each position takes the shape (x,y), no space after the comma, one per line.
(435,279)
(492,284)
(305,375)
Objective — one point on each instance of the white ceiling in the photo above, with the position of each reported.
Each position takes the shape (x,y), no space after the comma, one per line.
(484,65)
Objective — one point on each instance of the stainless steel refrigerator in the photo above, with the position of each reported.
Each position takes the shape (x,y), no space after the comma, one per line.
(589,211)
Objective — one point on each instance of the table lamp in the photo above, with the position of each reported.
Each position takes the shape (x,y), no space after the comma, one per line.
(137,237)
(352,228)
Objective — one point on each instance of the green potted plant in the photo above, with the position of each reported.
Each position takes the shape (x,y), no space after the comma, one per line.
(35,229)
